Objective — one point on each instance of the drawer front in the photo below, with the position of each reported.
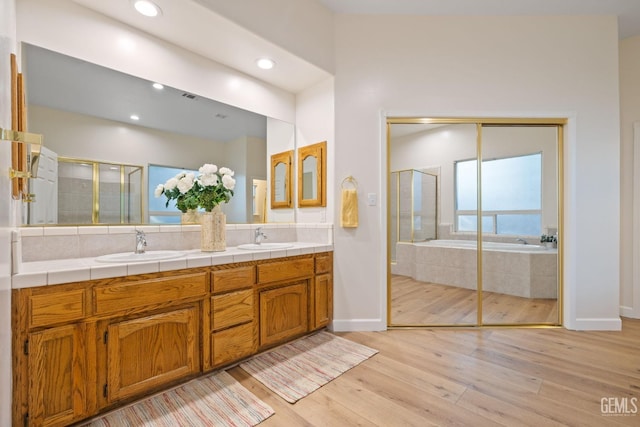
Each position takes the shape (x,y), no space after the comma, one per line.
(233,344)
(285,270)
(232,309)
(141,293)
(235,278)
(324,263)
(57,307)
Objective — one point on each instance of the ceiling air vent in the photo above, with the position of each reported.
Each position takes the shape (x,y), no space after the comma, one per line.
(189,95)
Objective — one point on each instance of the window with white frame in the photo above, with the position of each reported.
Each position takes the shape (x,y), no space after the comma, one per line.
(511,195)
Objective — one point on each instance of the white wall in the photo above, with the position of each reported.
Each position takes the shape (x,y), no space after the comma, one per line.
(281,137)
(629,114)
(315,123)
(7,217)
(489,66)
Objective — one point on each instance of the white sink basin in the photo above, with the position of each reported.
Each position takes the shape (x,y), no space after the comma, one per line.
(145,256)
(265,246)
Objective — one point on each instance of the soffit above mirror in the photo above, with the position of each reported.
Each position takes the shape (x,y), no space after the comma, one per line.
(199,29)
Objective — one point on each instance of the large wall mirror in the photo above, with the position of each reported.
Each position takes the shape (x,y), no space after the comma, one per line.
(97,114)
(312,166)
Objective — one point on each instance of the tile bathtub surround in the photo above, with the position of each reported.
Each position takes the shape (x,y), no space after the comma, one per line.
(48,243)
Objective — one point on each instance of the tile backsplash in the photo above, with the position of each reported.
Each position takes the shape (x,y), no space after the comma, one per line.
(46,243)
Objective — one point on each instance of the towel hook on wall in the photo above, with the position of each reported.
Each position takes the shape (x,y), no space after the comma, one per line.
(349,180)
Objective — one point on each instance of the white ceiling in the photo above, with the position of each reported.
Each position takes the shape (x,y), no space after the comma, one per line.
(214,37)
(223,41)
(627,11)
(198,29)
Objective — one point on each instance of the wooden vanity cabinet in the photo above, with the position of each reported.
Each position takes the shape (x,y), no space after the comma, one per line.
(83,348)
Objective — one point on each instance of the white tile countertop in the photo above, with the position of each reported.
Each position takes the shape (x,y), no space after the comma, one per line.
(53,272)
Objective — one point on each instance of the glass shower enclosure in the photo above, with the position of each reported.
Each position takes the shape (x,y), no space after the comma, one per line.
(414,213)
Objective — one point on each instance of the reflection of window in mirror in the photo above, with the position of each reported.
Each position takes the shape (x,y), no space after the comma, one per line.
(281,191)
(159,211)
(312,166)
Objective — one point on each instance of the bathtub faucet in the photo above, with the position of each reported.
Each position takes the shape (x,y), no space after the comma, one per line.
(141,241)
(524,242)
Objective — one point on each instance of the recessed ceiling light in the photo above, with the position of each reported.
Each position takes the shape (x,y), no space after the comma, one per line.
(134,117)
(158,86)
(147,8)
(265,63)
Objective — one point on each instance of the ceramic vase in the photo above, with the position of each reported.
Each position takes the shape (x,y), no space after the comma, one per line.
(212,234)
(191,216)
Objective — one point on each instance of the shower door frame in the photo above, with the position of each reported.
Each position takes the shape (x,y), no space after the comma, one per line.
(559,123)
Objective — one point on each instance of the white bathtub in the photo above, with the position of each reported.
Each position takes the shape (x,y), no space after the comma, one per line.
(486,246)
(528,271)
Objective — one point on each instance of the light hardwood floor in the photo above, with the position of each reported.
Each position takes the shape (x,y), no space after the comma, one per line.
(474,377)
(421,303)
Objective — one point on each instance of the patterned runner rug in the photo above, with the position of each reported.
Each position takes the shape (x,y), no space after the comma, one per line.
(215,400)
(298,368)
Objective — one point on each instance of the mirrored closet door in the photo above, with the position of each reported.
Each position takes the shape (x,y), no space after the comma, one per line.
(474,222)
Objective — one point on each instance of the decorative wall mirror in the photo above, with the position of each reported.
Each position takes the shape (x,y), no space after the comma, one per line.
(312,171)
(281,180)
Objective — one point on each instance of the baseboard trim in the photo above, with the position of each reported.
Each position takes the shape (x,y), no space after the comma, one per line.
(629,312)
(358,325)
(613,324)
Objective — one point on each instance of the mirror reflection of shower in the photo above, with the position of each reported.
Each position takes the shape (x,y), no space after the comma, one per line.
(414,206)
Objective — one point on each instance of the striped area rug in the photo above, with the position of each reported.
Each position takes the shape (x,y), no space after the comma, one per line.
(298,368)
(216,400)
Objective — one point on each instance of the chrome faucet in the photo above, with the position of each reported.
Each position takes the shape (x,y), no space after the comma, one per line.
(141,241)
(259,236)
(524,242)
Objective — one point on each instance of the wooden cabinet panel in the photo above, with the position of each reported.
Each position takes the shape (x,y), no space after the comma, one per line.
(285,270)
(322,310)
(232,279)
(51,308)
(150,351)
(283,313)
(232,309)
(134,294)
(324,263)
(57,376)
(233,344)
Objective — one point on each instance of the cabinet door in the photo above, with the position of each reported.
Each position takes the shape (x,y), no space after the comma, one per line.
(57,376)
(150,351)
(283,313)
(322,301)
